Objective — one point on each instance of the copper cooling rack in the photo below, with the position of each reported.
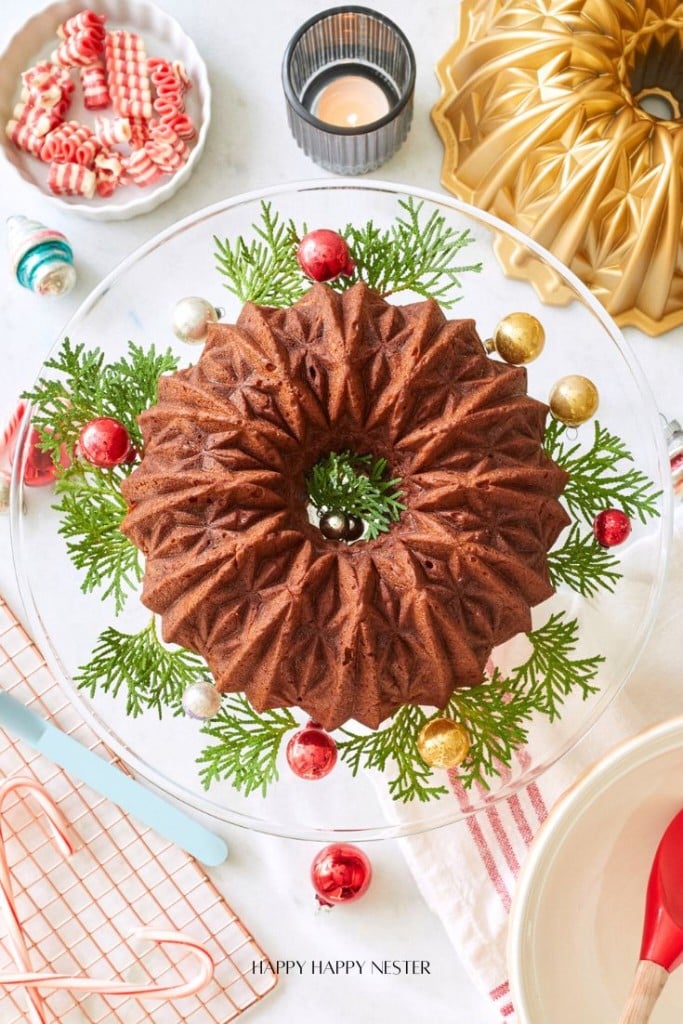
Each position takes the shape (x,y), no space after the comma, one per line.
(77,914)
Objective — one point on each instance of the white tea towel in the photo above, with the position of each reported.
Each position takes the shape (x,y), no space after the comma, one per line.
(467,871)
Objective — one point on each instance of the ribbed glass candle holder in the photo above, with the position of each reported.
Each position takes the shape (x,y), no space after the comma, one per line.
(349,77)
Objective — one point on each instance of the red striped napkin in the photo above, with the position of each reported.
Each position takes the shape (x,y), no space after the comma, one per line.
(467,872)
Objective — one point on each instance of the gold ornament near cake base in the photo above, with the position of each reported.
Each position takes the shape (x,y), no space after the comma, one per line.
(543,126)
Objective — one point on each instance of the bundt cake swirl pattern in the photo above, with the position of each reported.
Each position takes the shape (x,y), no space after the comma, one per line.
(542,123)
(219,506)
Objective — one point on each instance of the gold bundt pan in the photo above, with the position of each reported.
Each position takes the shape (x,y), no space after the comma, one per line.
(541,123)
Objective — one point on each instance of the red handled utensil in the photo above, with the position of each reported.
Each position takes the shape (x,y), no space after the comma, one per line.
(661,949)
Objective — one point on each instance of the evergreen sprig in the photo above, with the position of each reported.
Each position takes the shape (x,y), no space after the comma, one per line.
(495,715)
(264,270)
(246,747)
(551,674)
(355,484)
(414,254)
(411,255)
(596,478)
(395,745)
(92,510)
(80,387)
(583,564)
(151,675)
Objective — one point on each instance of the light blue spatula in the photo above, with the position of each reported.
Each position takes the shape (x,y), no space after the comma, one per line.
(107,780)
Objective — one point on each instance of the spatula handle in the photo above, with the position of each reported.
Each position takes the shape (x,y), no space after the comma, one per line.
(647,986)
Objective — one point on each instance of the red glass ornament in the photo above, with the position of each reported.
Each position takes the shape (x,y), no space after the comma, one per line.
(311,752)
(340,873)
(104,442)
(39,469)
(323,255)
(611,527)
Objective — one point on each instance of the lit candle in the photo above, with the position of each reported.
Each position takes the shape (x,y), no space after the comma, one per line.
(348,76)
(350,101)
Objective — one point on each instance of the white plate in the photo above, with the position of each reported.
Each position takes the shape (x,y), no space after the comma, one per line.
(163,37)
(576,918)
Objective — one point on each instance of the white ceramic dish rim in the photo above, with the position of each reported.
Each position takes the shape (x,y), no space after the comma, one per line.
(148,199)
(589,786)
(391,830)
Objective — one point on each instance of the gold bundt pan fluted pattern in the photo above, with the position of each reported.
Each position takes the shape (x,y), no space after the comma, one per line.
(218,505)
(541,123)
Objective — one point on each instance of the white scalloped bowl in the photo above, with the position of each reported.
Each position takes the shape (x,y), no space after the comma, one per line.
(163,37)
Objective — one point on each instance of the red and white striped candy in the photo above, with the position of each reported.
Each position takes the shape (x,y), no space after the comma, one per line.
(109,172)
(71,180)
(95,91)
(127,74)
(23,136)
(82,21)
(181,124)
(113,132)
(139,131)
(141,169)
(62,143)
(86,151)
(79,50)
(9,431)
(44,74)
(180,71)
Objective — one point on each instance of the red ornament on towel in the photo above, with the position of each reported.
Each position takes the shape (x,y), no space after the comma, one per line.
(323,255)
(104,442)
(311,752)
(340,873)
(611,527)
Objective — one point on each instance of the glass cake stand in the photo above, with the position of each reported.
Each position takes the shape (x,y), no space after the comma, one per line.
(135,303)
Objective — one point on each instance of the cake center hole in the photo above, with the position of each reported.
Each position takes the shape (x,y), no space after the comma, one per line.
(656,75)
(659,103)
(354,496)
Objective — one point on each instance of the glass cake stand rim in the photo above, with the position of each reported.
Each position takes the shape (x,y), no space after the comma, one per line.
(388,829)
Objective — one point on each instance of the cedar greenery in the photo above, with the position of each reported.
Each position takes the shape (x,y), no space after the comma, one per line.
(81,387)
(151,675)
(264,270)
(583,564)
(355,484)
(93,508)
(596,479)
(413,254)
(247,745)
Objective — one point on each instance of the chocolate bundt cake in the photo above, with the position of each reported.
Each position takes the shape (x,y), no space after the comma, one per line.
(219,506)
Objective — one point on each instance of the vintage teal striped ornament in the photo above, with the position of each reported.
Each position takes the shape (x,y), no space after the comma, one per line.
(42,259)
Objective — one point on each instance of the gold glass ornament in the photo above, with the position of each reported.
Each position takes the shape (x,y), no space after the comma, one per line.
(573,400)
(546,121)
(518,338)
(443,743)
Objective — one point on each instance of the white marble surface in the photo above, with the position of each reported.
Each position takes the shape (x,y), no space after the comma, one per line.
(250,146)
